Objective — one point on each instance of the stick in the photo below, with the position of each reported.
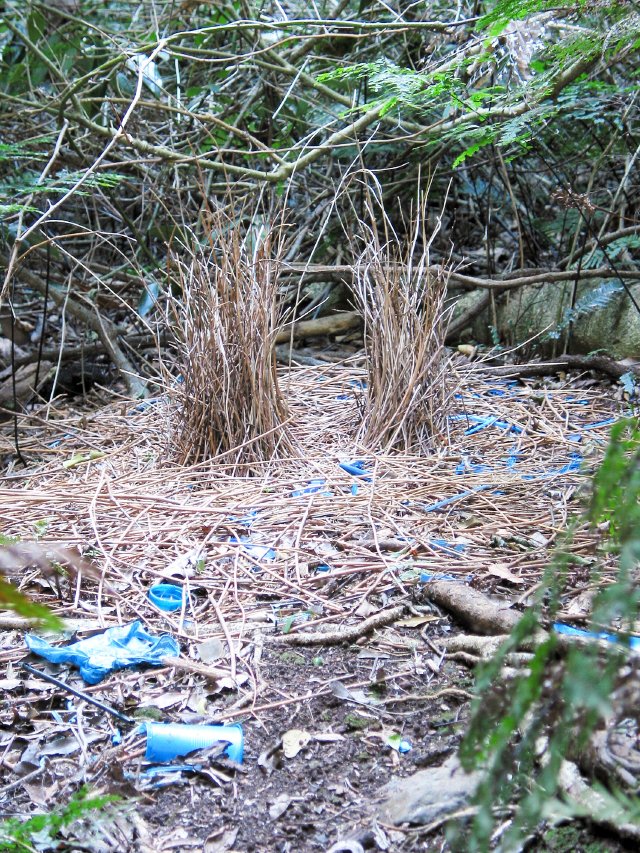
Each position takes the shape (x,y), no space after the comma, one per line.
(343,635)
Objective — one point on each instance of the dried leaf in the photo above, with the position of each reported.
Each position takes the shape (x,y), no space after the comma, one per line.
(293,741)
(499,570)
(219,842)
(279,806)
(210,650)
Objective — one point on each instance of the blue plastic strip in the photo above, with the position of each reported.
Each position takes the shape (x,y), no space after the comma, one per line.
(453,499)
(466,466)
(425,577)
(356,469)
(631,642)
(443,545)
(313,487)
(484,422)
(598,424)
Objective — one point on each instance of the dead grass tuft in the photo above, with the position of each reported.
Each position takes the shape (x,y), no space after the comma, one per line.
(225,321)
(410,387)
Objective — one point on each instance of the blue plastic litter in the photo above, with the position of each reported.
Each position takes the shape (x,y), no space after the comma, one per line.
(314,487)
(116,648)
(446,501)
(258,552)
(598,424)
(574,464)
(323,567)
(512,459)
(443,545)
(144,405)
(404,746)
(357,469)
(484,422)
(59,441)
(245,520)
(166,596)
(466,466)
(631,642)
(425,577)
(354,489)
(170,740)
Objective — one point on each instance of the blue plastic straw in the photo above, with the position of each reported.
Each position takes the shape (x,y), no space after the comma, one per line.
(356,469)
(453,499)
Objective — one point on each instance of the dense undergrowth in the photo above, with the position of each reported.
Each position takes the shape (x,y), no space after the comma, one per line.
(124,125)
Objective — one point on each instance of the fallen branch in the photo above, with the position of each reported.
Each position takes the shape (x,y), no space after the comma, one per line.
(602,363)
(333,324)
(211,673)
(343,634)
(510,281)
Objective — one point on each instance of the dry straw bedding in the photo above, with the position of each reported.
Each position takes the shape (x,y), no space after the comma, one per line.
(140,513)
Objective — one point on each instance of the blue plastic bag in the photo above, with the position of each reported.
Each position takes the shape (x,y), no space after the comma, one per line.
(115,648)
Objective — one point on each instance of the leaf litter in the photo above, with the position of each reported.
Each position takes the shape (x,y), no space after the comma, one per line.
(267,558)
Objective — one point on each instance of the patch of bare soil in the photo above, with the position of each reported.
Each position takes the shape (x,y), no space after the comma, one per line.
(303,617)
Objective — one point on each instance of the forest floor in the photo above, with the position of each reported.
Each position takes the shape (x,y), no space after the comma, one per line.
(299,547)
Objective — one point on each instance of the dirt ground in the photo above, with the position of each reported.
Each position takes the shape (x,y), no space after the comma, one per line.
(327,725)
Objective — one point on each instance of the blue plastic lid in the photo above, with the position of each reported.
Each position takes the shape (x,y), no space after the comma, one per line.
(166,596)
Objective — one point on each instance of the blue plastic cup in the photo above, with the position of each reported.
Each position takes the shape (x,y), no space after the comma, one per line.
(166,741)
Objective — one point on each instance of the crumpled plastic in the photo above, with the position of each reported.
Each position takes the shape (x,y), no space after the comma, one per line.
(115,648)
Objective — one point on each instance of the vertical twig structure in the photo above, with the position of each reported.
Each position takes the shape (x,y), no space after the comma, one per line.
(226,320)
(409,385)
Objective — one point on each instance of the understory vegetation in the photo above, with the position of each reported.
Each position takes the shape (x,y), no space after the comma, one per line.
(573,701)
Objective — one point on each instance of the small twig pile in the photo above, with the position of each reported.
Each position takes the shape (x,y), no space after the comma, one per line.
(402,302)
(226,322)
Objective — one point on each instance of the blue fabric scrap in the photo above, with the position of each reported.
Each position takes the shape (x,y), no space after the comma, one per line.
(116,648)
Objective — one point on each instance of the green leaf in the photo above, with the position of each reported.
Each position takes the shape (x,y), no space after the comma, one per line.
(13,599)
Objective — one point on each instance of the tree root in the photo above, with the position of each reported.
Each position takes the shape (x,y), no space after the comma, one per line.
(338,635)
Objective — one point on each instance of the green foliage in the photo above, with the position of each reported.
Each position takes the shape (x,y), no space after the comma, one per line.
(43,830)
(505,11)
(12,599)
(558,701)
(595,300)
